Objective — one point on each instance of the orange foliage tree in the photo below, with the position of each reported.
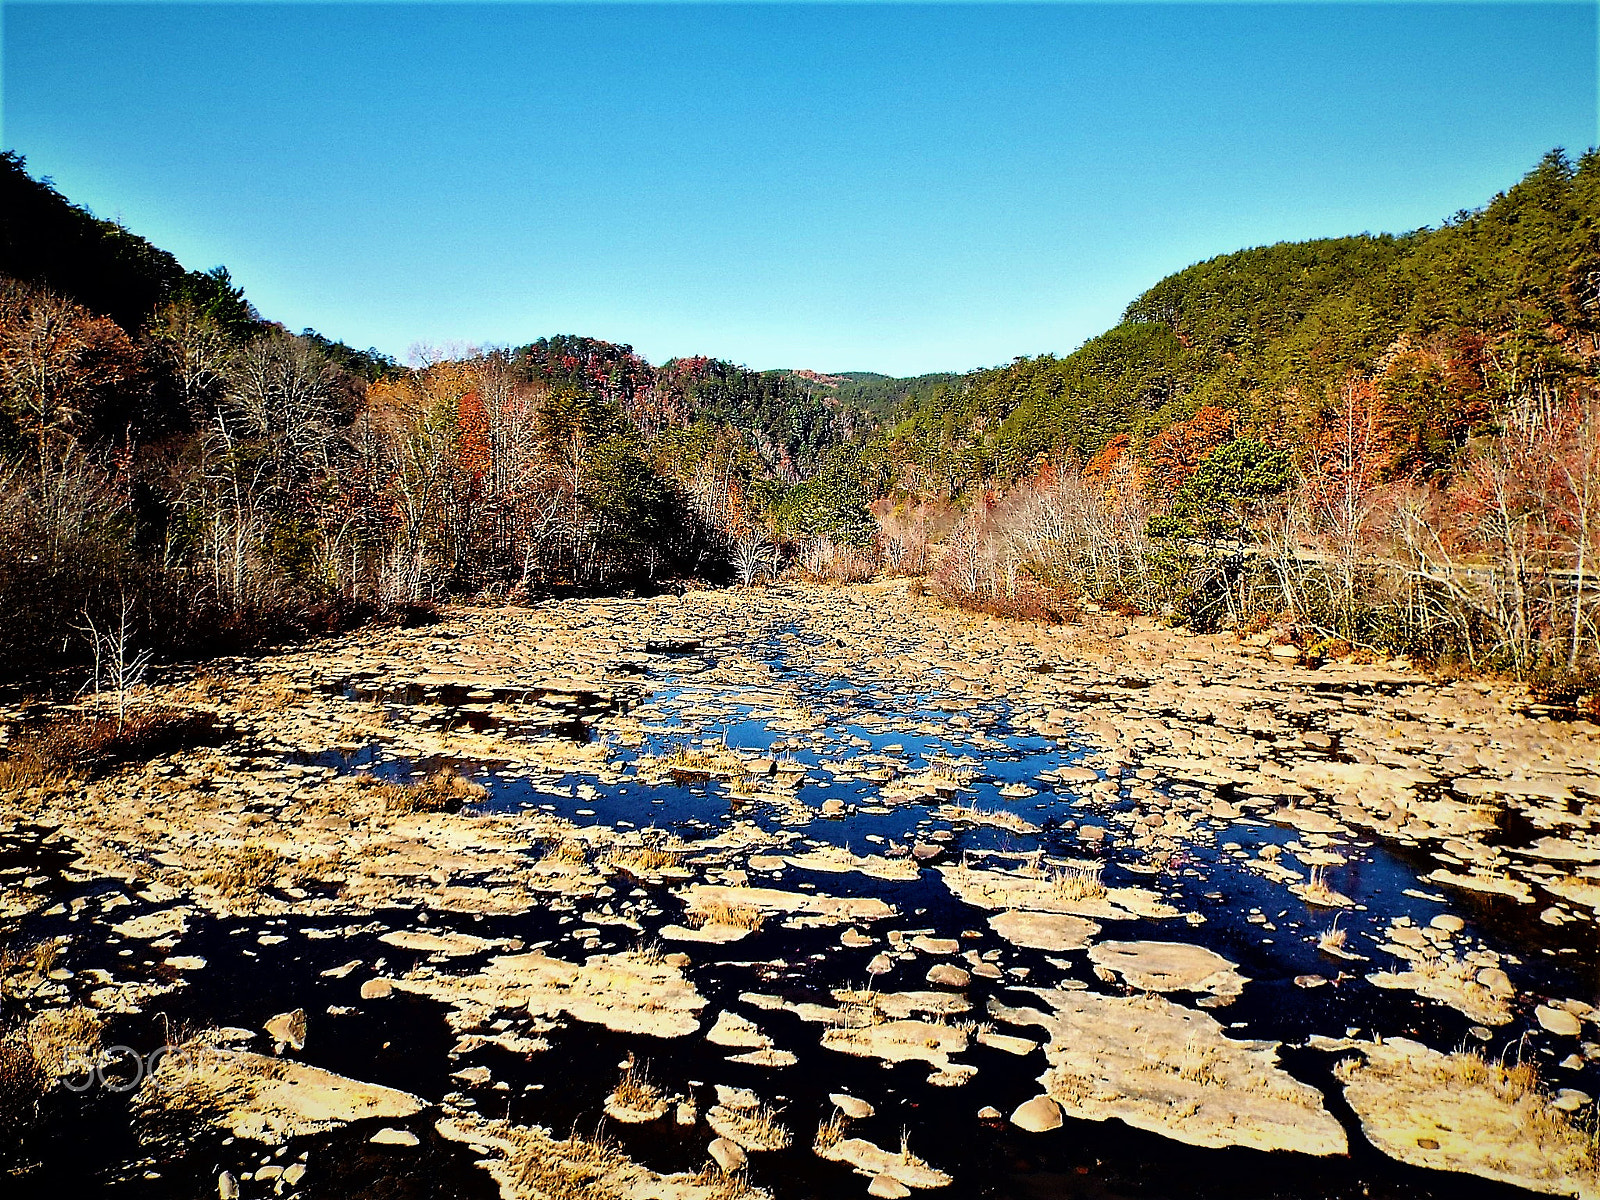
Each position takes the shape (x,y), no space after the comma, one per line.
(1177,451)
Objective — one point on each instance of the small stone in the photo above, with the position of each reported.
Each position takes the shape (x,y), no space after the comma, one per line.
(947,975)
(887,1187)
(728,1155)
(881,965)
(832,807)
(376,989)
(294,1173)
(288,1029)
(989,1113)
(227,1186)
(1571,1099)
(1037,1115)
(851,1106)
(393,1137)
(1448,923)
(1497,981)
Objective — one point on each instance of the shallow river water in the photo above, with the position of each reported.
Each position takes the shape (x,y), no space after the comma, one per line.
(1293,991)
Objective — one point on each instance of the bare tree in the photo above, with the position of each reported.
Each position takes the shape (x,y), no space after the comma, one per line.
(754,557)
(117,664)
(198,351)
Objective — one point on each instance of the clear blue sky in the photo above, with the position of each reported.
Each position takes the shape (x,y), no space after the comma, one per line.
(892,188)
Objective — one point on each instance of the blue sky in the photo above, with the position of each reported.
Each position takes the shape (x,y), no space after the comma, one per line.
(889,188)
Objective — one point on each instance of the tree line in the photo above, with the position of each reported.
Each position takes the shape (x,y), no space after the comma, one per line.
(171,459)
(1380,443)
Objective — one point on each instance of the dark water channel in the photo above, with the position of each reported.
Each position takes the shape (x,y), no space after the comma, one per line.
(404,1042)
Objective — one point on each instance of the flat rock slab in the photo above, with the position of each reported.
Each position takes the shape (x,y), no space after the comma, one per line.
(1044,931)
(812,904)
(627,993)
(906,1169)
(1455,1112)
(451,945)
(1008,890)
(1168,1069)
(265,1099)
(739,1032)
(1170,967)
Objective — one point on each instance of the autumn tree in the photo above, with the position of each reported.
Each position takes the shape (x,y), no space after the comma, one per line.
(1176,453)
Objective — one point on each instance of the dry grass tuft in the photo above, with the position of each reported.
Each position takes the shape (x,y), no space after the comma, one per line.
(1317,890)
(446,790)
(33,1055)
(634,1089)
(761,1128)
(24,968)
(245,873)
(739,916)
(574,1169)
(829,1133)
(1332,939)
(1077,881)
(695,764)
(645,860)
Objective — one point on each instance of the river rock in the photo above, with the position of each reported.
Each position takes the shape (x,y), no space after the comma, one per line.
(393,1137)
(288,1029)
(948,975)
(851,1106)
(728,1155)
(1558,1021)
(1038,1115)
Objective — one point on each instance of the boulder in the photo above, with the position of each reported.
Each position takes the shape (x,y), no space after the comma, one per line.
(1037,1115)
(728,1155)
(1558,1021)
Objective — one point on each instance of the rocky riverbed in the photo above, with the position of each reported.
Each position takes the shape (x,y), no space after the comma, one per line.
(816,892)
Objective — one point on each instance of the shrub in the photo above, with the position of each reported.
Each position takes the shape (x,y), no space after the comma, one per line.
(88,744)
(1554,682)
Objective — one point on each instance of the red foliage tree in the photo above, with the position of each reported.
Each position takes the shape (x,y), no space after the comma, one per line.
(473,451)
(1102,464)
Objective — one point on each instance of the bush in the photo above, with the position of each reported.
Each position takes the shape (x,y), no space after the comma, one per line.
(1554,682)
(88,744)
(1028,600)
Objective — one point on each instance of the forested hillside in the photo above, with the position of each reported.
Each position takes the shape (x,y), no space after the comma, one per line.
(1391,442)
(1447,324)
